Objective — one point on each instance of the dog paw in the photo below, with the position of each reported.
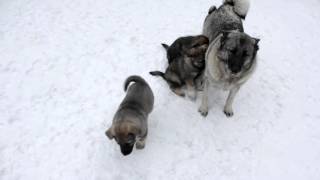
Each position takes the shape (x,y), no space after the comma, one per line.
(228,113)
(192,96)
(179,92)
(140,144)
(203,111)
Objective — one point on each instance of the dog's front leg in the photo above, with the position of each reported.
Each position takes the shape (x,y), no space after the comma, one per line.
(228,106)
(191,90)
(141,141)
(203,109)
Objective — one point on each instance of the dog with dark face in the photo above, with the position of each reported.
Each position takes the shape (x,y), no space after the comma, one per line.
(231,55)
(186,62)
(129,126)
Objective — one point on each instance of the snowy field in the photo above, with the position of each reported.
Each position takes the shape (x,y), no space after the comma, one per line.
(62,67)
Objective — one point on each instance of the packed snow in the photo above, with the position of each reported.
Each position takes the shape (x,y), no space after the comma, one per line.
(62,67)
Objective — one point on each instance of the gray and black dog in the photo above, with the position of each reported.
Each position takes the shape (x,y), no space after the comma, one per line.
(186,62)
(130,126)
(231,55)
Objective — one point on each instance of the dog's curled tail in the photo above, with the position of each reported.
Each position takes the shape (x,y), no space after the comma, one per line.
(134,78)
(240,7)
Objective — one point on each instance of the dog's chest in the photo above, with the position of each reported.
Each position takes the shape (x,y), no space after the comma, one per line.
(225,84)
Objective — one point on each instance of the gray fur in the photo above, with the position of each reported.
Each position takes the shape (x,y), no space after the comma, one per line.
(129,124)
(226,18)
(222,19)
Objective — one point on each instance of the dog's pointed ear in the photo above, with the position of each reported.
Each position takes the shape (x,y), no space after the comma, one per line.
(110,133)
(199,41)
(256,43)
(198,46)
(165,46)
(225,34)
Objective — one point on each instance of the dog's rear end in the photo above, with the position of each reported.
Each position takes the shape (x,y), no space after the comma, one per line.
(139,93)
(228,17)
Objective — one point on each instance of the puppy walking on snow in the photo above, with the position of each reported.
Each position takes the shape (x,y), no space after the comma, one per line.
(231,55)
(129,126)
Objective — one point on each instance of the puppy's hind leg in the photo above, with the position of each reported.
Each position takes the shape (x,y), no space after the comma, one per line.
(203,109)
(228,106)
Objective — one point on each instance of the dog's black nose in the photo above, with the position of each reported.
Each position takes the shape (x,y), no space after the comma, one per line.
(235,69)
(126,150)
(125,153)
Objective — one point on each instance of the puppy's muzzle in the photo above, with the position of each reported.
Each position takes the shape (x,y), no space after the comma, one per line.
(126,148)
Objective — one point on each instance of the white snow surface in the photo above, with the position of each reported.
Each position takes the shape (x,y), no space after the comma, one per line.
(62,67)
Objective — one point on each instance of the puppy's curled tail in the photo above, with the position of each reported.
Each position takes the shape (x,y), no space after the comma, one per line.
(134,78)
(240,7)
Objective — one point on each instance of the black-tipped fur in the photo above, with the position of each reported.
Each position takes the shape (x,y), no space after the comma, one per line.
(165,46)
(157,73)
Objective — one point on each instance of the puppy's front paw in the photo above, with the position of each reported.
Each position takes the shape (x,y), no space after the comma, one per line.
(179,92)
(192,95)
(203,111)
(140,144)
(228,112)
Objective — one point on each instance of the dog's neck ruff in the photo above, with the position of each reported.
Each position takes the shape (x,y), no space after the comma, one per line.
(212,62)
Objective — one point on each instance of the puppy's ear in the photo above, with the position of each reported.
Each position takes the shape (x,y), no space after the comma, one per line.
(110,133)
(165,46)
(256,42)
(198,46)
(199,41)
(196,51)
(134,130)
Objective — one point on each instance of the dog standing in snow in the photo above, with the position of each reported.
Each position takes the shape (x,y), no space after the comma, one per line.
(130,126)
(231,55)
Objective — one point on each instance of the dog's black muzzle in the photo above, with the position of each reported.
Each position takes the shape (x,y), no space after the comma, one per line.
(126,149)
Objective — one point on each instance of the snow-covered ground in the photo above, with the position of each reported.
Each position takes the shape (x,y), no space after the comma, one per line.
(63,63)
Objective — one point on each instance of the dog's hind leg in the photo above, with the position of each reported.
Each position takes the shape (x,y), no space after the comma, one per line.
(203,109)
(228,106)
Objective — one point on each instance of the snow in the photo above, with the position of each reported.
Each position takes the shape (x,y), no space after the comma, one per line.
(62,67)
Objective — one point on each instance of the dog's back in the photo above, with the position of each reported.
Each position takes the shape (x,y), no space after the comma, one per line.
(139,95)
(226,18)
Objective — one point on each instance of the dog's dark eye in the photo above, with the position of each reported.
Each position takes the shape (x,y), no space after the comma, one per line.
(233,51)
(131,136)
(245,54)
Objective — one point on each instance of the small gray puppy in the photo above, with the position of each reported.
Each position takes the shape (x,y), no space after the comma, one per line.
(231,55)
(186,64)
(130,126)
